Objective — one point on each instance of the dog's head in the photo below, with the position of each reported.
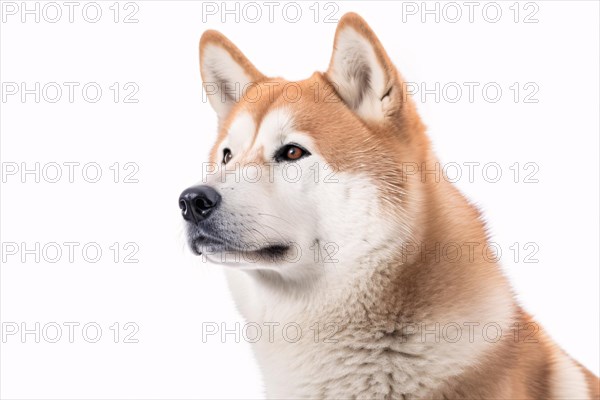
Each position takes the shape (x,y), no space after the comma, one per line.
(309,174)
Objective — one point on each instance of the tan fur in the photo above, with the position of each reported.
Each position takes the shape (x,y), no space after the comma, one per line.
(413,288)
(211,36)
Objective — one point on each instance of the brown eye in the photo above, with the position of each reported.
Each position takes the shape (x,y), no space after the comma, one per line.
(226,156)
(291,152)
(294,153)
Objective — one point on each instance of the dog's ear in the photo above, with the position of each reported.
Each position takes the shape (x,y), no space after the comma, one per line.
(226,72)
(361,71)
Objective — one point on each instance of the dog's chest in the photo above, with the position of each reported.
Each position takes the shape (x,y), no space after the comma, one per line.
(353,364)
(318,354)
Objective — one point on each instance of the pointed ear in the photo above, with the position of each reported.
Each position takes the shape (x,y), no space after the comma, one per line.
(361,71)
(226,72)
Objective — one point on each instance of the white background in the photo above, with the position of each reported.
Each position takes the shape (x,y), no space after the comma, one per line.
(169,293)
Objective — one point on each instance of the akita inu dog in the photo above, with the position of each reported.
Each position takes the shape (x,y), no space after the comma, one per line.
(317,197)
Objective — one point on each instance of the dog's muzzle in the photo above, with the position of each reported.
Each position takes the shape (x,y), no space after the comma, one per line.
(198,202)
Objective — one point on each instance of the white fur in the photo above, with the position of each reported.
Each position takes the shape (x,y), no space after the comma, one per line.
(221,72)
(354,52)
(568,381)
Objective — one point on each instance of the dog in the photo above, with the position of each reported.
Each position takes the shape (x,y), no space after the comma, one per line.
(316,197)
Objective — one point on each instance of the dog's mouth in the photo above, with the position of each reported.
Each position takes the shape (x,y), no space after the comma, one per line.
(225,251)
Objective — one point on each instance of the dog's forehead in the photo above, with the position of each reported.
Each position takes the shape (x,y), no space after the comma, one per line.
(265,121)
(270,105)
(241,131)
(275,125)
(245,131)
(276,112)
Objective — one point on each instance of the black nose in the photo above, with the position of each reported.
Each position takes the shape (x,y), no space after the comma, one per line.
(198,202)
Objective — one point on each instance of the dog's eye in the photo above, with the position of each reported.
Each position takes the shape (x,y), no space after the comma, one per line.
(226,156)
(291,152)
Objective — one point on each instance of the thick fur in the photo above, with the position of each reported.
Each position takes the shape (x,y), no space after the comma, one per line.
(378,320)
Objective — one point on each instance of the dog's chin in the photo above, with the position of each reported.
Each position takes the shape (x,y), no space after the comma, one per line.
(223,252)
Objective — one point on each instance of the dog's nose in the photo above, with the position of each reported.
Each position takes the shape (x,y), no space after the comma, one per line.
(198,202)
